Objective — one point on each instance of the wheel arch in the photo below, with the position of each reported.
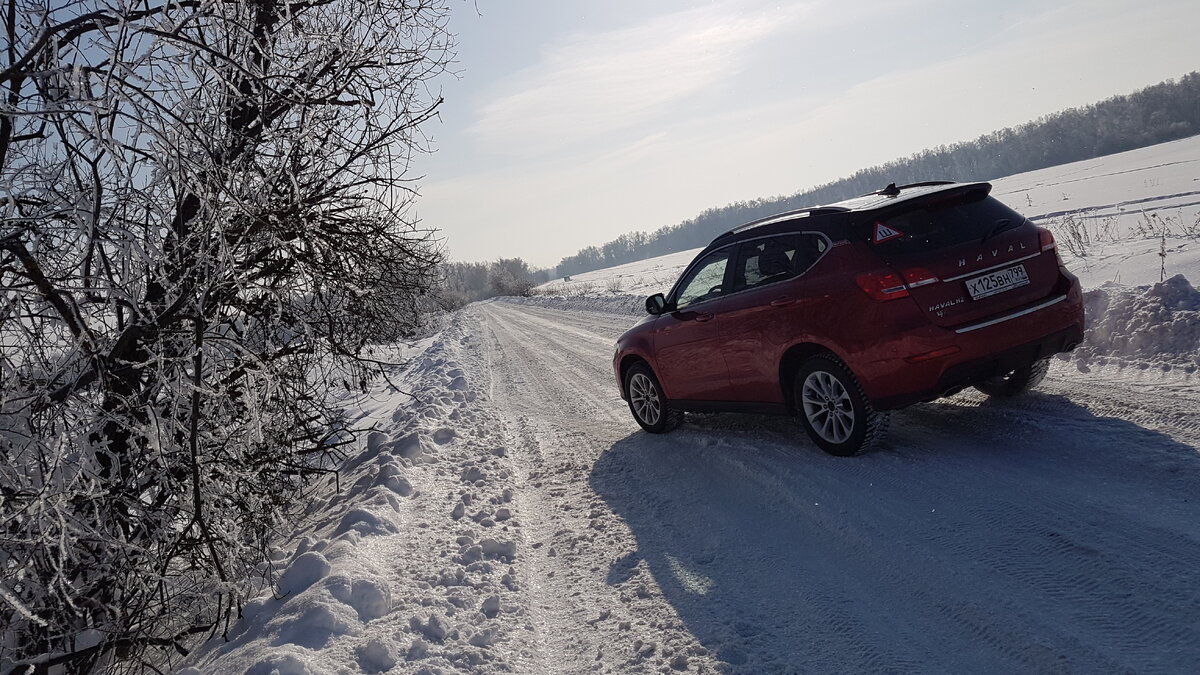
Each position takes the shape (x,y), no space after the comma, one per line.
(628,361)
(790,362)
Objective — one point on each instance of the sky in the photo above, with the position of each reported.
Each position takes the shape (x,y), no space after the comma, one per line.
(568,123)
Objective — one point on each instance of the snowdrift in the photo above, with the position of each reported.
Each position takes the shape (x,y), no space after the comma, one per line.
(1158,324)
(405,559)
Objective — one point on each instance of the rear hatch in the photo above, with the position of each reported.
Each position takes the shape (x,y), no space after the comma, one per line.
(963,255)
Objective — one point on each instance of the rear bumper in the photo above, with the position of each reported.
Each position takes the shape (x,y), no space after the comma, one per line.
(957,377)
(984,349)
(1010,317)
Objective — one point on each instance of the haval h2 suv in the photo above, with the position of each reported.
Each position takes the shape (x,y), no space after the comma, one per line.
(840,313)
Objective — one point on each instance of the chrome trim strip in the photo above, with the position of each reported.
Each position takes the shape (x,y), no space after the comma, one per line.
(994,267)
(1002,319)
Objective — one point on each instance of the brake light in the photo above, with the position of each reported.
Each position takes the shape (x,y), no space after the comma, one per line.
(1046,239)
(882,285)
(885,284)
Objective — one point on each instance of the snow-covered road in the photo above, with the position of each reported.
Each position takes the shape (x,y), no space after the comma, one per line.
(1057,532)
(510,517)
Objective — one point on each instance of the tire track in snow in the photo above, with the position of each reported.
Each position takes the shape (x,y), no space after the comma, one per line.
(1168,407)
(546,378)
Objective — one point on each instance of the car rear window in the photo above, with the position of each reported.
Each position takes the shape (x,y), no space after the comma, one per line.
(946,222)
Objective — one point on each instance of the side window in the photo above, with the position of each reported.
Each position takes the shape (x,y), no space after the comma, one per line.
(765,261)
(811,248)
(705,280)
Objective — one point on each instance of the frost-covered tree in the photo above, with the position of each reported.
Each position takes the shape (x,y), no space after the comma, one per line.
(509,276)
(203,230)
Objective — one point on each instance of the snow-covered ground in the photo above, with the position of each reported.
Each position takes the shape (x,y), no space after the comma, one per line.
(509,516)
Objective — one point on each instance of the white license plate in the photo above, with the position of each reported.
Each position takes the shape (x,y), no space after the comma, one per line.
(997,282)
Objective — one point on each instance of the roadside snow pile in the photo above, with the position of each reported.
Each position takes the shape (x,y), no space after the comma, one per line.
(407,557)
(612,304)
(1159,324)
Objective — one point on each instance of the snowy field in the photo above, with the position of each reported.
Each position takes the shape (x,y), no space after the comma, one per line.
(506,515)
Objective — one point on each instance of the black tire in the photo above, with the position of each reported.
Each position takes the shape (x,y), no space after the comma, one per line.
(647,401)
(1016,382)
(834,410)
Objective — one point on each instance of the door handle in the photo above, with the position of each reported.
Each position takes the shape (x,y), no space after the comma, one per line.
(704,316)
(783,301)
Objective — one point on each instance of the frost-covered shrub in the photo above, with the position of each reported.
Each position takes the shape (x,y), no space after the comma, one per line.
(203,231)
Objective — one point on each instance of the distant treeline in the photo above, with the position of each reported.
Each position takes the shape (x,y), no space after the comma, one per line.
(1164,112)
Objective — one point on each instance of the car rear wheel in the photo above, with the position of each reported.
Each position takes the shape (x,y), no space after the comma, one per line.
(647,401)
(1016,382)
(834,410)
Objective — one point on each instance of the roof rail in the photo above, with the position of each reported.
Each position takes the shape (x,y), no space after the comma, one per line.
(927,182)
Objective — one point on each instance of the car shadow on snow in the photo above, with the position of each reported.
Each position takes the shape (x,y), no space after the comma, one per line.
(982,536)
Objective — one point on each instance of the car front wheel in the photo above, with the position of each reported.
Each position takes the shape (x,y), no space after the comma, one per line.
(647,401)
(834,410)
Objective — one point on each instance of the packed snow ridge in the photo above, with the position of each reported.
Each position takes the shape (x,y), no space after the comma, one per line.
(334,607)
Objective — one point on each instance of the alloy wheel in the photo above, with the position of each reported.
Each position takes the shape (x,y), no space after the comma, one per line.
(643,396)
(828,407)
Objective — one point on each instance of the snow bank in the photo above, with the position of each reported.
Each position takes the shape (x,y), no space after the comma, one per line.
(409,559)
(1159,323)
(610,304)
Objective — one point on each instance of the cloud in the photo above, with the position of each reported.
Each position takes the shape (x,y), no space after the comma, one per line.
(586,85)
(544,208)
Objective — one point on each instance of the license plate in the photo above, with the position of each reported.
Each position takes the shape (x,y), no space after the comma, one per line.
(997,282)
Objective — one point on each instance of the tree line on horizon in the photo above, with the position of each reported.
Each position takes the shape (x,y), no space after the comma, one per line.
(1159,113)
(465,282)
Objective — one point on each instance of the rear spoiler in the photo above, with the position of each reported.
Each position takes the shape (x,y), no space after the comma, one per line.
(924,194)
(907,196)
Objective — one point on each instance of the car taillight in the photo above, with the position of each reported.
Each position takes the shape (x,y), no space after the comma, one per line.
(882,285)
(1046,239)
(886,284)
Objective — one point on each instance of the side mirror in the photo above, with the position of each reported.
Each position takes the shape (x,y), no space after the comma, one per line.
(655,304)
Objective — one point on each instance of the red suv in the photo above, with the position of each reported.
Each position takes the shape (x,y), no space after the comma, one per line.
(840,313)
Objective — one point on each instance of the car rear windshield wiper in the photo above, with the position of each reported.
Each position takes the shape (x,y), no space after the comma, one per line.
(1001,225)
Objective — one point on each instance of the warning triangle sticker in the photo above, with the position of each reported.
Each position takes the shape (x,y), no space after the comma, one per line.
(883,233)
